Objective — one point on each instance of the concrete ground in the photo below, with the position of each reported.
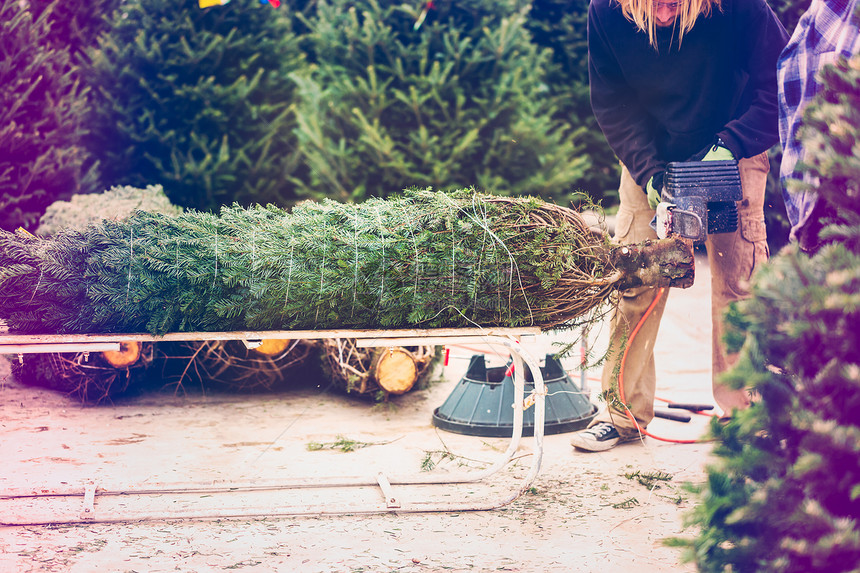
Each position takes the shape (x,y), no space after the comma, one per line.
(585,512)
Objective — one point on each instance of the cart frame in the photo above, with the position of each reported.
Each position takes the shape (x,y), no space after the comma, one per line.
(389,501)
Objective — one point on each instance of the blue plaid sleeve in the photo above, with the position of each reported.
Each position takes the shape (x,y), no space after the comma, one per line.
(827,30)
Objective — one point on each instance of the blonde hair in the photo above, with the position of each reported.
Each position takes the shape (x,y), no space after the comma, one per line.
(641,13)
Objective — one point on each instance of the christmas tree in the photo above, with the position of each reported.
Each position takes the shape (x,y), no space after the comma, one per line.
(196,100)
(560,25)
(785,494)
(422,260)
(789,11)
(41,106)
(447,94)
(74,26)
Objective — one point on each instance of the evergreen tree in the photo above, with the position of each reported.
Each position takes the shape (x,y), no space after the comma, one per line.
(41,106)
(197,101)
(785,495)
(830,136)
(789,11)
(447,94)
(560,25)
(425,259)
(75,26)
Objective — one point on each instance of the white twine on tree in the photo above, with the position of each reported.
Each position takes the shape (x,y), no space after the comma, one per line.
(130,260)
(513,264)
(416,266)
(289,275)
(382,263)
(355,245)
(253,258)
(482,209)
(38,282)
(322,276)
(453,256)
(215,278)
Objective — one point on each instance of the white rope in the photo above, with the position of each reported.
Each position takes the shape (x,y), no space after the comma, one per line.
(382,265)
(215,278)
(289,276)
(513,264)
(355,277)
(130,260)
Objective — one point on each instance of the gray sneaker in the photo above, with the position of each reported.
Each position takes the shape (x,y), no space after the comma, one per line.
(599,438)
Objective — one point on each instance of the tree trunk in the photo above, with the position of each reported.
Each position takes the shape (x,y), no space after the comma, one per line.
(366,371)
(272,346)
(657,263)
(394,370)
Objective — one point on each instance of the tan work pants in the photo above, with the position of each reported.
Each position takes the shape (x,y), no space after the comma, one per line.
(732,258)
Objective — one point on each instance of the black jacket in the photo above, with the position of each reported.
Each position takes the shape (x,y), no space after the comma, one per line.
(656,106)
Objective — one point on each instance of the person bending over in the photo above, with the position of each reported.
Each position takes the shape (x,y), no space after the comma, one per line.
(680,81)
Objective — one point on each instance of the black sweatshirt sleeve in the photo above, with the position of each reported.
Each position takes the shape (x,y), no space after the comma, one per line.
(629,129)
(662,105)
(760,41)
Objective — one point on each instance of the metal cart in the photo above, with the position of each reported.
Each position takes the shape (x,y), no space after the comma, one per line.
(89,502)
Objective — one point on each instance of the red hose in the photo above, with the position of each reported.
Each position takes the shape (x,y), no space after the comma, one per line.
(621,376)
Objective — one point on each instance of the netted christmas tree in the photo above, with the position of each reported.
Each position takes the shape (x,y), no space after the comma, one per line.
(41,106)
(196,100)
(98,376)
(785,494)
(448,94)
(422,260)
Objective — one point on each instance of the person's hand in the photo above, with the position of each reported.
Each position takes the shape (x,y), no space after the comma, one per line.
(717,151)
(654,189)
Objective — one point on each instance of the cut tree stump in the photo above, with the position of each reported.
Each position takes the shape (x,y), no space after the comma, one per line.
(90,379)
(366,371)
(394,369)
(272,346)
(128,354)
(656,263)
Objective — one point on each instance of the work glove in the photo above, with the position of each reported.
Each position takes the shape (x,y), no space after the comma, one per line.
(654,189)
(717,151)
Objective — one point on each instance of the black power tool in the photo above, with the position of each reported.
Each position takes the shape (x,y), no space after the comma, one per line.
(699,198)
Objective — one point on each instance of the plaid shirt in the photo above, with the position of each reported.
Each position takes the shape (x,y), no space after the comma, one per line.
(826,31)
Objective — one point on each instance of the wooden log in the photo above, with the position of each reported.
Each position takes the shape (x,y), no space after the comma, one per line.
(367,371)
(272,346)
(90,379)
(394,369)
(128,354)
(232,366)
